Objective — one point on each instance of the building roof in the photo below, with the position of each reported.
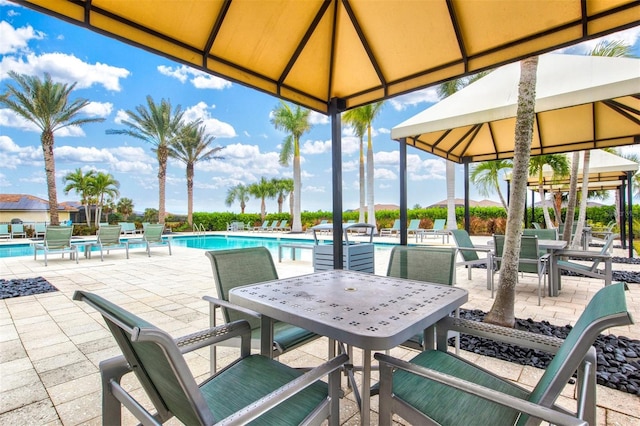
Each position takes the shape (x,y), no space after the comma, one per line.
(459,202)
(25,202)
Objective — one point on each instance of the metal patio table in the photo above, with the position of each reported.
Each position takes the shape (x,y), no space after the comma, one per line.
(367,311)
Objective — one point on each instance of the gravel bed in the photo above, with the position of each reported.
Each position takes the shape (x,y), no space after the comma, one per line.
(24,287)
(618,356)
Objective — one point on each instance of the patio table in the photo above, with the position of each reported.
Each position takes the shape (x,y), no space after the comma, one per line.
(367,311)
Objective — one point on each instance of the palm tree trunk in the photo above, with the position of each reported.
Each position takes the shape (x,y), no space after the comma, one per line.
(362,216)
(190,194)
(451,195)
(502,311)
(162,180)
(370,196)
(296,226)
(571,204)
(582,215)
(50,171)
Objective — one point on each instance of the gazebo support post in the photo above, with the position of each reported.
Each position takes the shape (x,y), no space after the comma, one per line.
(403,192)
(336,106)
(466,196)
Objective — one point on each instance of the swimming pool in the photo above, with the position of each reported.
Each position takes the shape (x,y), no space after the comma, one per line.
(209,242)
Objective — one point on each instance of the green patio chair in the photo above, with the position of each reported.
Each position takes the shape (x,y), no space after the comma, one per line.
(394,230)
(39,230)
(284,226)
(4,231)
(430,264)
(109,239)
(469,253)
(265,225)
(542,234)
(152,237)
(438,228)
(57,239)
(253,388)
(591,259)
(414,226)
(437,387)
(17,230)
(533,260)
(238,267)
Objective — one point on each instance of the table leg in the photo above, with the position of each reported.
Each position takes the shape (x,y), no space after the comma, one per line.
(266,336)
(554,275)
(365,409)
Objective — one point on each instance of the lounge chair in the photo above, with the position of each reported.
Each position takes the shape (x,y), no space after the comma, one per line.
(284,226)
(127,227)
(414,226)
(57,239)
(152,237)
(39,230)
(4,231)
(394,230)
(238,267)
(263,227)
(469,253)
(252,387)
(109,239)
(437,387)
(274,226)
(532,259)
(17,230)
(587,269)
(430,264)
(438,228)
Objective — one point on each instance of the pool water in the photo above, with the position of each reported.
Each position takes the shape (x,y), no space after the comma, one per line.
(209,242)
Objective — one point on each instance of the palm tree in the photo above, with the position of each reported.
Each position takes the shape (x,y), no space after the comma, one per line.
(294,121)
(364,116)
(239,192)
(283,187)
(158,125)
(46,104)
(80,182)
(485,176)
(502,310)
(192,145)
(125,207)
(359,128)
(559,165)
(103,184)
(262,190)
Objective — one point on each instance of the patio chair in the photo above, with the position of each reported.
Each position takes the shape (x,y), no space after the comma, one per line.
(17,230)
(442,388)
(57,239)
(4,231)
(532,259)
(274,226)
(536,225)
(109,239)
(252,388)
(263,227)
(284,226)
(586,269)
(542,234)
(238,267)
(469,253)
(414,226)
(152,237)
(39,230)
(430,264)
(438,228)
(394,230)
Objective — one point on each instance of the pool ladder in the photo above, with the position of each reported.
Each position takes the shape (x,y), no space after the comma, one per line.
(199,229)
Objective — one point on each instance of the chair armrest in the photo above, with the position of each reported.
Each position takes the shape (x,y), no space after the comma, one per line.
(477,249)
(213,335)
(223,303)
(535,410)
(491,331)
(583,254)
(285,392)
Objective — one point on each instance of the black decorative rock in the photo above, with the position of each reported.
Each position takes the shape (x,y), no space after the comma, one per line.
(24,287)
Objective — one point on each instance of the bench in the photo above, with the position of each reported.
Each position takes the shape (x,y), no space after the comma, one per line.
(293,248)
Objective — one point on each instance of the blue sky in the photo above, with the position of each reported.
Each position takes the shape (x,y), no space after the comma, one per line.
(116,77)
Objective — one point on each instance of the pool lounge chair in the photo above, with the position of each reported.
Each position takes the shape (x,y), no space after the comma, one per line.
(414,226)
(17,230)
(127,227)
(284,226)
(438,229)
(394,230)
(152,237)
(57,239)
(437,387)
(39,230)
(252,387)
(109,239)
(4,231)
(263,227)
(274,226)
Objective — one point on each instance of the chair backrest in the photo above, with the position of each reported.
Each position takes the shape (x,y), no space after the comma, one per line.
(4,229)
(605,248)
(606,309)
(536,225)
(528,251)
(17,228)
(396,225)
(109,234)
(156,360)
(462,239)
(438,224)
(153,233)
(57,237)
(40,228)
(413,225)
(542,234)
(430,264)
(237,267)
(283,224)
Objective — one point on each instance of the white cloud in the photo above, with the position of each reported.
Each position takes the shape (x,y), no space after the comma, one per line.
(98,109)
(316,189)
(318,118)
(629,37)
(244,163)
(65,69)
(13,155)
(215,127)
(199,79)
(386,174)
(10,119)
(13,39)
(428,95)
(384,131)
(121,116)
(315,147)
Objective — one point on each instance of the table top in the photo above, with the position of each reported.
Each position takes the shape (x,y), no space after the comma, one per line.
(543,244)
(365,310)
